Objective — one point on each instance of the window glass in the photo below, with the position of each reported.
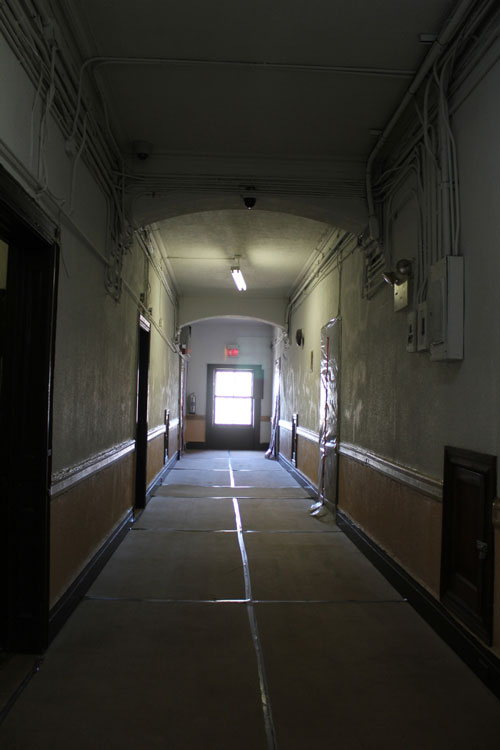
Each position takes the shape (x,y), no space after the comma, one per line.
(233,403)
(233,383)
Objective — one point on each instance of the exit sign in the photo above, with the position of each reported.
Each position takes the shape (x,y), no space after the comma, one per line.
(232,351)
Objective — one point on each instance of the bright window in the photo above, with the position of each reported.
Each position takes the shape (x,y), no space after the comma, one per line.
(233,397)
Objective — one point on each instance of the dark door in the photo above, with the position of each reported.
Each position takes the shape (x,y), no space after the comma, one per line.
(467,552)
(141,433)
(234,394)
(27,323)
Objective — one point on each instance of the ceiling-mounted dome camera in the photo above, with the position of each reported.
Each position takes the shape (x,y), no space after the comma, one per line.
(249,202)
(142,149)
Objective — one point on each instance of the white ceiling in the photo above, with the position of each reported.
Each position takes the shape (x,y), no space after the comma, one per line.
(276,98)
(273,249)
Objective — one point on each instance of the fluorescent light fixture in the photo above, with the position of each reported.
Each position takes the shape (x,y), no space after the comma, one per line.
(238,278)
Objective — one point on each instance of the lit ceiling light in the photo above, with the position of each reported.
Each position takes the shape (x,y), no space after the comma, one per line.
(238,276)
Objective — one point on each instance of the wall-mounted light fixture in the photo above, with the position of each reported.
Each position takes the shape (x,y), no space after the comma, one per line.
(401,274)
(390,278)
(237,275)
(404,266)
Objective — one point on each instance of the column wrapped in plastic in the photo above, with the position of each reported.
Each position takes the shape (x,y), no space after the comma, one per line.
(328,413)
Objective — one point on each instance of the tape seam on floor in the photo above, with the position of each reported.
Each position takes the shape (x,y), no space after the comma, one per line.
(159,600)
(170,530)
(264,689)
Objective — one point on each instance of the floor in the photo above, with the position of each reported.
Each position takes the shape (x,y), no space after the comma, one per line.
(230,617)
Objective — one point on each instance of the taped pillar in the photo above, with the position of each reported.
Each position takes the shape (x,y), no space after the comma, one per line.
(328,416)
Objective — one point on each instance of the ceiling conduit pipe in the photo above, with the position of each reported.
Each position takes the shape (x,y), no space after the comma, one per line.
(433,55)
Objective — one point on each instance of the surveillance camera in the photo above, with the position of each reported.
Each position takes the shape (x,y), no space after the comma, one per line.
(249,202)
(142,149)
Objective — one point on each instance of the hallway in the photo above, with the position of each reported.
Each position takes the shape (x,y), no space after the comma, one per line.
(231,618)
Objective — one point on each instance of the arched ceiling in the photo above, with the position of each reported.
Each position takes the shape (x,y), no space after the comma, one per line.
(273,250)
(280,99)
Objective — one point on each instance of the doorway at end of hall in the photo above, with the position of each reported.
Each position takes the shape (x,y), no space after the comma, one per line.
(234,395)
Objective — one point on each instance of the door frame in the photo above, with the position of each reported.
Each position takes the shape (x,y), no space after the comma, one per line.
(26,440)
(258,392)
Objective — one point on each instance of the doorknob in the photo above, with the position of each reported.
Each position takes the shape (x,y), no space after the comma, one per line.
(482,549)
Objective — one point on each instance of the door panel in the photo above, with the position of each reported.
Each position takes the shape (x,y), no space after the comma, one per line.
(467,557)
(234,394)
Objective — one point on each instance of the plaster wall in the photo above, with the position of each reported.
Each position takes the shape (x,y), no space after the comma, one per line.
(300,382)
(267,309)
(96,337)
(208,340)
(96,353)
(61,188)
(164,361)
(94,399)
(92,388)
(401,405)
(15,114)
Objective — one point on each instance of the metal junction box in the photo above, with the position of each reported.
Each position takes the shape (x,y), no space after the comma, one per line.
(445,309)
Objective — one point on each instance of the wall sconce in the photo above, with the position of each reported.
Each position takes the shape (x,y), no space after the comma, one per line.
(237,275)
(401,274)
(390,278)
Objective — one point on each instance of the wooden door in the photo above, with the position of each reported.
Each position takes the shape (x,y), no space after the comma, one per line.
(467,551)
(228,425)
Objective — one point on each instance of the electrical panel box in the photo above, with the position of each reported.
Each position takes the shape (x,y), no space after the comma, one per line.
(422,340)
(445,303)
(411,331)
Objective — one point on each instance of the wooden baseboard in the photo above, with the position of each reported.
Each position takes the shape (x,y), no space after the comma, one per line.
(482,661)
(77,590)
(298,476)
(161,475)
(203,446)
